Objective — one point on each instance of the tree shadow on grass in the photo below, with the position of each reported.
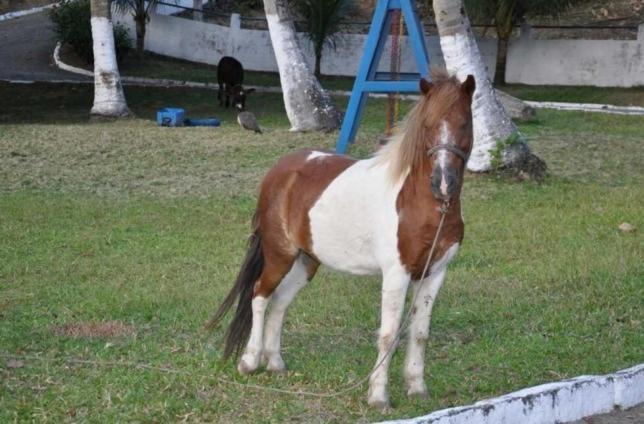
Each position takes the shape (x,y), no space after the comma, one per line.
(48,103)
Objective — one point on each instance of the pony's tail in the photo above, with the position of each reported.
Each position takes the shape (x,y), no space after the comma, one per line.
(239,329)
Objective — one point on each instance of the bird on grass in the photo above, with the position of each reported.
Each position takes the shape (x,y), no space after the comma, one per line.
(248,121)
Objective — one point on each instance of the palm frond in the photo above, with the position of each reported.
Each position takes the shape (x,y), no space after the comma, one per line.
(322,18)
(124,6)
(489,11)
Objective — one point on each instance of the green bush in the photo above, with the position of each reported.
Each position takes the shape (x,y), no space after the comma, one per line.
(72,24)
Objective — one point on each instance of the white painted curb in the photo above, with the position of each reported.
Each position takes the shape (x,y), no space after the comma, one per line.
(154,82)
(589,107)
(551,403)
(65,67)
(19,13)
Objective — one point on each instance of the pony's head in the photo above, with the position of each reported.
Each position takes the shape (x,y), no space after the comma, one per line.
(437,134)
(449,124)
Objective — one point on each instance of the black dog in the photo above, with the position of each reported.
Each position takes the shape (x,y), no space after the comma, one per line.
(230,76)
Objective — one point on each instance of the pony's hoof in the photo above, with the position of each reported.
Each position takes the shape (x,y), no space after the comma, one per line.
(244,368)
(378,397)
(276,367)
(274,362)
(381,405)
(379,400)
(418,393)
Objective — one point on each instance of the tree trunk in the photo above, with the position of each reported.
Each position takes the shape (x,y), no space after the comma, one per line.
(109,100)
(501,58)
(318,60)
(493,128)
(504,20)
(140,33)
(308,106)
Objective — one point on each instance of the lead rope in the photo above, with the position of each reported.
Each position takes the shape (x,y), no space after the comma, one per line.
(443,211)
(403,326)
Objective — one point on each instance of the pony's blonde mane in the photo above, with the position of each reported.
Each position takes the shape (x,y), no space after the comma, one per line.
(407,146)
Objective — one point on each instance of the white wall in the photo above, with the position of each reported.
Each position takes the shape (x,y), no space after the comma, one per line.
(603,63)
(207,43)
(556,62)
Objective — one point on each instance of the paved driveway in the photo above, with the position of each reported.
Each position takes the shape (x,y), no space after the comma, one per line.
(26,47)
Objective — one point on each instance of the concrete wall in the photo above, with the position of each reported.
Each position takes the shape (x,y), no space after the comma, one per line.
(207,43)
(616,63)
(603,63)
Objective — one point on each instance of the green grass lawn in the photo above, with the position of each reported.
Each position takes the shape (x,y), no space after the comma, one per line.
(156,66)
(141,230)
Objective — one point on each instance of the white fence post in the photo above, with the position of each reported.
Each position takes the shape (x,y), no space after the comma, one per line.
(198,5)
(234,32)
(526,31)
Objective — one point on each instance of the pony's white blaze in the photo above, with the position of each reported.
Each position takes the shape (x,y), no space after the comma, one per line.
(445,138)
(341,236)
(316,154)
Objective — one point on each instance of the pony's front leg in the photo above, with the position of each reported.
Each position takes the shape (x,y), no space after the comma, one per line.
(425,293)
(394,288)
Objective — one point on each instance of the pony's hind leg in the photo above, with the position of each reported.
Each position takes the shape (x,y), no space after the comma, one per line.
(250,359)
(394,288)
(300,274)
(275,268)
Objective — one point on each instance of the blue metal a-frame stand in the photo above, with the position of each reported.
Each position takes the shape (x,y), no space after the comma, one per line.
(368,79)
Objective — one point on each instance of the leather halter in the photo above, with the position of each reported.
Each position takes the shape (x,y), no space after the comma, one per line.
(450,148)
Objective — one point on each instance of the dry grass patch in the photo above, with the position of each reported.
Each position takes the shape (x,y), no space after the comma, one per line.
(97,330)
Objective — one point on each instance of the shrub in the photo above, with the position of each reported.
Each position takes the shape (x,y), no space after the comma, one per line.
(72,24)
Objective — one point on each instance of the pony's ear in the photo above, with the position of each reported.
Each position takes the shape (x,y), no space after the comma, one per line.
(469,85)
(250,90)
(425,86)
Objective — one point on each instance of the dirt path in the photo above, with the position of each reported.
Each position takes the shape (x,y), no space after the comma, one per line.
(26,46)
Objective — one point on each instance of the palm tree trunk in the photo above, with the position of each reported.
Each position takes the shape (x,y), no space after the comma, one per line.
(140,33)
(318,60)
(308,106)
(501,58)
(109,99)
(493,128)
(504,19)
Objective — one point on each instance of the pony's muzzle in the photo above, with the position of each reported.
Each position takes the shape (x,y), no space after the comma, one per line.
(444,183)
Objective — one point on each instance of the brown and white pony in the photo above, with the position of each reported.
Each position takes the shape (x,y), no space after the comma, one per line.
(377,215)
